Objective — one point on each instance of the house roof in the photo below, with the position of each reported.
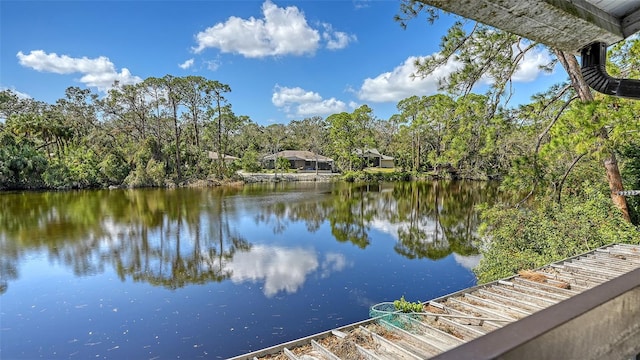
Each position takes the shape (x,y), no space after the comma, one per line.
(298,155)
(373,151)
(214,156)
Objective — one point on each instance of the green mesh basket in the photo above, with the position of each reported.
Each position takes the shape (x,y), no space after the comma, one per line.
(382,309)
(387,315)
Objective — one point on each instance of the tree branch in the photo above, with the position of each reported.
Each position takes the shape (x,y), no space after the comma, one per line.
(566,173)
(537,148)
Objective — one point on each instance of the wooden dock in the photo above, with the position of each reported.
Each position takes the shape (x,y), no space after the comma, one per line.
(455,319)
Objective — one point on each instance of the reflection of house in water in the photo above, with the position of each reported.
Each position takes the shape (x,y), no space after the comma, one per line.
(301,160)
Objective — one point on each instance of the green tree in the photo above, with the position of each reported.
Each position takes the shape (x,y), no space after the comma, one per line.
(21,165)
(197,95)
(385,133)
(282,164)
(349,134)
(412,114)
(129,110)
(273,137)
(363,119)
(342,135)
(173,87)
(250,161)
(250,137)
(223,117)
(78,109)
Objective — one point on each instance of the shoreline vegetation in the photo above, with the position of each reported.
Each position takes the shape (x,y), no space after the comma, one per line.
(363,176)
(244,177)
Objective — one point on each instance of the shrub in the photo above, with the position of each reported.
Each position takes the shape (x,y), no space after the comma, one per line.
(375,176)
(282,164)
(114,169)
(150,175)
(21,165)
(528,238)
(250,161)
(155,173)
(407,307)
(78,168)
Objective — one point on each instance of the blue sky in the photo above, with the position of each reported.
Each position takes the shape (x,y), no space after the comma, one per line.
(283,60)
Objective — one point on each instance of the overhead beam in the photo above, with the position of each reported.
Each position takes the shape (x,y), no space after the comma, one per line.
(568,25)
(631,23)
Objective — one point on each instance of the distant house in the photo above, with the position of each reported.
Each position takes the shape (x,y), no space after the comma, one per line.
(213,155)
(373,158)
(301,160)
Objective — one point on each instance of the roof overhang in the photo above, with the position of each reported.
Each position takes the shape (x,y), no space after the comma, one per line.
(569,25)
(585,27)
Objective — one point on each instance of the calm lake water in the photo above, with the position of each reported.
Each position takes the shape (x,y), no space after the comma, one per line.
(213,273)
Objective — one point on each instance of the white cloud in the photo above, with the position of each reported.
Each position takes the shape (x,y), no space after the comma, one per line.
(399,83)
(284,95)
(336,39)
(361,4)
(187,64)
(281,31)
(324,107)
(213,65)
(281,269)
(98,72)
(299,102)
(430,228)
(386,227)
(529,67)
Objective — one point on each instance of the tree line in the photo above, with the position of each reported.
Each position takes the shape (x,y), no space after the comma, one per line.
(161,131)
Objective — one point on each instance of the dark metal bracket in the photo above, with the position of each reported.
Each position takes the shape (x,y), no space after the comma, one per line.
(594,59)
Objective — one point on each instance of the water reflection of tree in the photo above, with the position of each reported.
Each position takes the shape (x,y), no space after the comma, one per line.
(165,237)
(347,208)
(433,219)
(442,217)
(280,211)
(177,237)
(350,213)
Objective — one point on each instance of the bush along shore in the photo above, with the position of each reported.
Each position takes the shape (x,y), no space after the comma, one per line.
(273,177)
(368,175)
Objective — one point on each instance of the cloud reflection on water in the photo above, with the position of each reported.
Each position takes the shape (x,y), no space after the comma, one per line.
(281,268)
(469,262)
(333,262)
